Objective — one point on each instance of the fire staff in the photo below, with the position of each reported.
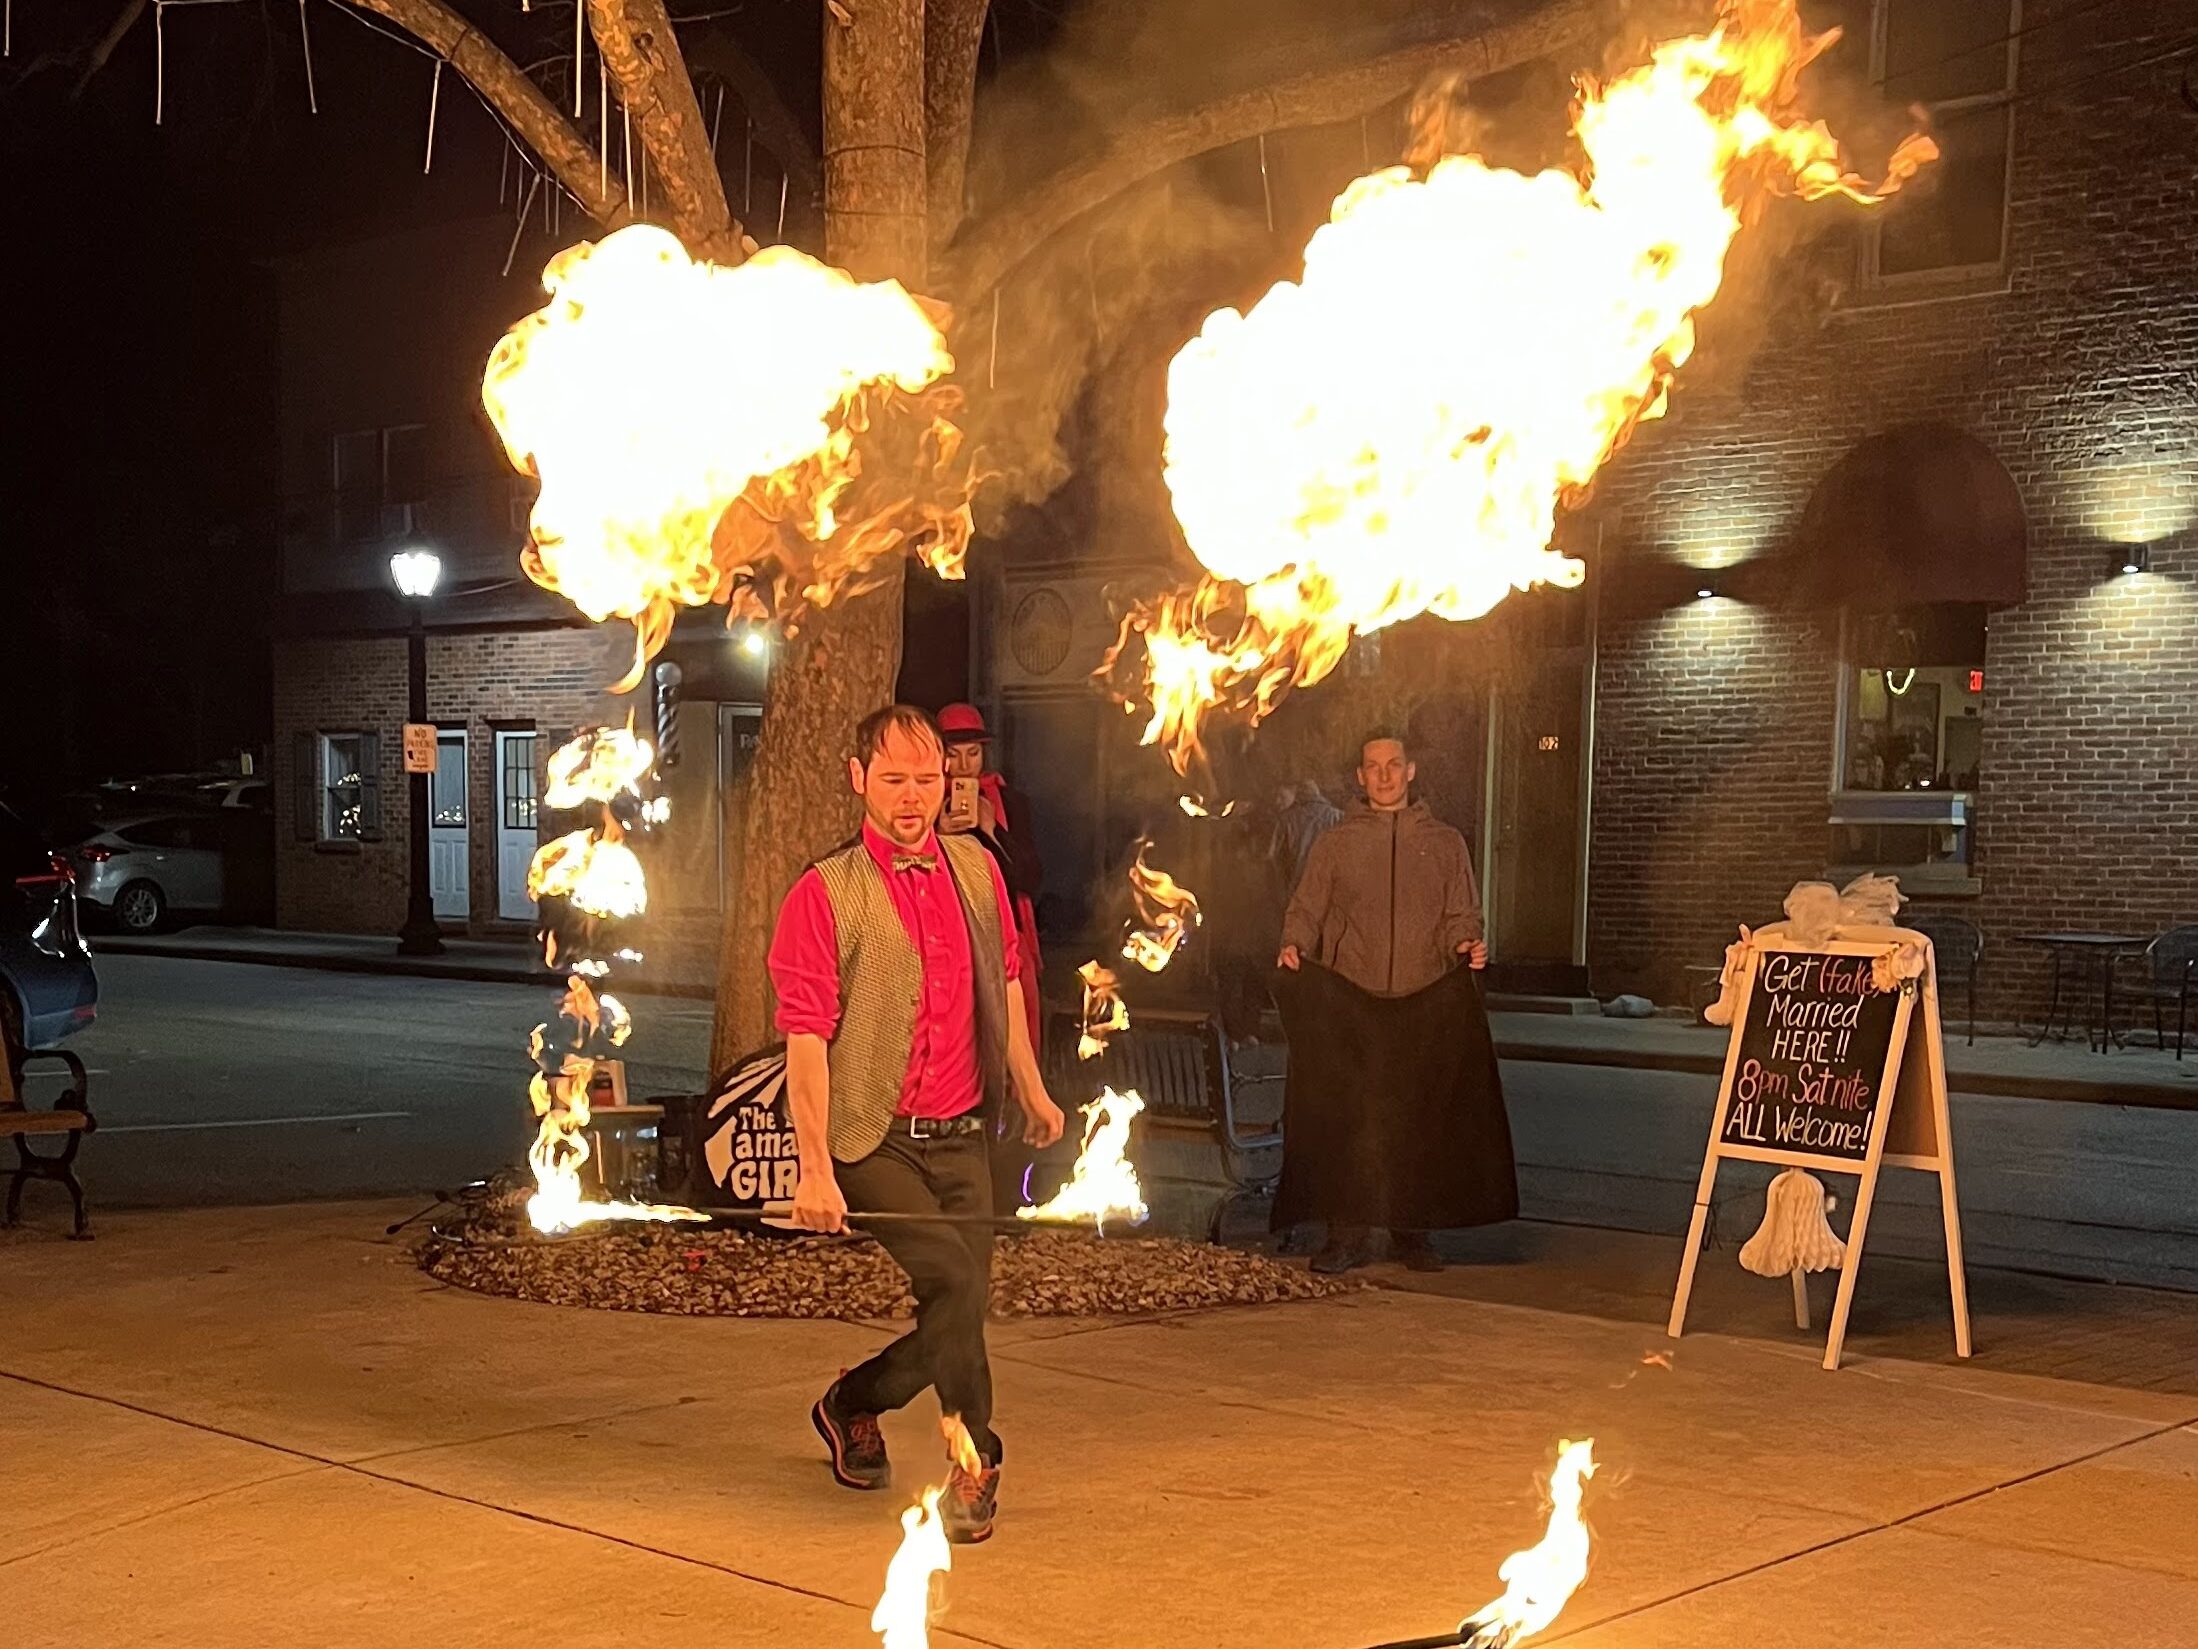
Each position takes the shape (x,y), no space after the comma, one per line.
(899,989)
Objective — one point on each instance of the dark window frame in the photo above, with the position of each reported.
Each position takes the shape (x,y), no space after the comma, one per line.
(1943,280)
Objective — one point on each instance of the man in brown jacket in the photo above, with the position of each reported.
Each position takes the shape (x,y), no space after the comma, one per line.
(1387,902)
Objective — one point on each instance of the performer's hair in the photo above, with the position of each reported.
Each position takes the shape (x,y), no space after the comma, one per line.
(871,731)
(1378,735)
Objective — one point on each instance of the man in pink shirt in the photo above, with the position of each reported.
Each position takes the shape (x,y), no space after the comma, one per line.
(899,991)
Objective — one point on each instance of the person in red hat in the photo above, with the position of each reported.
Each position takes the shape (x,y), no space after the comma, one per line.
(1001,819)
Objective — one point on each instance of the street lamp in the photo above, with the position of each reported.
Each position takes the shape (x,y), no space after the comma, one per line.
(417,572)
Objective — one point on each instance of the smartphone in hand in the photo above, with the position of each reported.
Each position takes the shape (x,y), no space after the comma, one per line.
(961,805)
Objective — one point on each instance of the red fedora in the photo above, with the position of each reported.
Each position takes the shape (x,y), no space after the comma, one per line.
(963,724)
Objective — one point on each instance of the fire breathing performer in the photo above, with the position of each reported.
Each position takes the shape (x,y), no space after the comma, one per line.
(899,985)
(1394,1115)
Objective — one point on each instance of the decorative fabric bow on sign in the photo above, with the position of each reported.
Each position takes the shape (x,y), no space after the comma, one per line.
(1817,912)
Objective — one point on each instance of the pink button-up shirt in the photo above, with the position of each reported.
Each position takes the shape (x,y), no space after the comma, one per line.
(944,1077)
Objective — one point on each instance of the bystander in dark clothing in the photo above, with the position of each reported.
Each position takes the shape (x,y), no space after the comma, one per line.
(1301,819)
(1394,1115)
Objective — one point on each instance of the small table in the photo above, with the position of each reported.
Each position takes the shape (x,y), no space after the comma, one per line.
(2099,950)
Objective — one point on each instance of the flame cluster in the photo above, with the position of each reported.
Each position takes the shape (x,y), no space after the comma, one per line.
(1166,912)
(1104,1183)
(700,432)
(566,1054)
(1396,432)
(601,880)
(593,869)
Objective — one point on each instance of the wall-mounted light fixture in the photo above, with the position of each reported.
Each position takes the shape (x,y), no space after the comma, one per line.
(2132,558)
(1705,590)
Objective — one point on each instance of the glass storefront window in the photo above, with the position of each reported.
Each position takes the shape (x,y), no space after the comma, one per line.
(1911,741)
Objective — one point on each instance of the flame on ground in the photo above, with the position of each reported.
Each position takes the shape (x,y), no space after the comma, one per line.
(902,1618)
(700,432)
(1166,913)
(1103,1185)
(1396,432)
(1104,1010)
(1539,1580)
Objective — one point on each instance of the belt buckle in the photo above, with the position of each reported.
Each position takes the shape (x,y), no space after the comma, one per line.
(919,1128)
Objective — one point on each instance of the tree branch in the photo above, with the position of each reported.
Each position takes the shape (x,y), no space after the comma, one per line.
(954,30)
(637,43)
(104,47)
(1148,143)
(777,127)
(525,107)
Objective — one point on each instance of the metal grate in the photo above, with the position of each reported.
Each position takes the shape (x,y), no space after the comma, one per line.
(1170,1065)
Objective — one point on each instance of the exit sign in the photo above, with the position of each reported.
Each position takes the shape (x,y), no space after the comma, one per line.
(1976,681)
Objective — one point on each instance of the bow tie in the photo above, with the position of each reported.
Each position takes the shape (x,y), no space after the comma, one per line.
(915,861)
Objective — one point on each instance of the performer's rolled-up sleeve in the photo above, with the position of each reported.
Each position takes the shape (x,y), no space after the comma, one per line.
(804,962)
(1461,902)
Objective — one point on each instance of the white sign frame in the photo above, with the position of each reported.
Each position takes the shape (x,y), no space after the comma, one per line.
(1909,1128)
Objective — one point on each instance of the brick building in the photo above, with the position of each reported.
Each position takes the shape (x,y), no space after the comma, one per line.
(1858,600)
(1904,581)
(385,447)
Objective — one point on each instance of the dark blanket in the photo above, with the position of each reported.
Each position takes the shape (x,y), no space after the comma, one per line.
(1394,1115)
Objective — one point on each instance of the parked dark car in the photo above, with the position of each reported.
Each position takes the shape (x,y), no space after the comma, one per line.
(47,987)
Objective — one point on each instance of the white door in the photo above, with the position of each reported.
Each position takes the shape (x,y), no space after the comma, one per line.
(515,839)
(446,836)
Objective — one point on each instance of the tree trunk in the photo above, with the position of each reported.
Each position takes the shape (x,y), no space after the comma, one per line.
(844,662)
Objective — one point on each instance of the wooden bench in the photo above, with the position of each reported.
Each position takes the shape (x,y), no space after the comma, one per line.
(71,1118)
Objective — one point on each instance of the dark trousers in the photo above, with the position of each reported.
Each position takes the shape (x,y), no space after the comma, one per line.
(949,1270)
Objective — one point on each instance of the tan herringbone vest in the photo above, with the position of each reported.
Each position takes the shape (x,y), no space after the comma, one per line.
(881,986)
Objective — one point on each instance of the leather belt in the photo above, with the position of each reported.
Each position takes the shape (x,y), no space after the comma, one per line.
(969,1122)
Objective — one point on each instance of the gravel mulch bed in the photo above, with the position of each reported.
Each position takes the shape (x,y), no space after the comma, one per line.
(739,1274)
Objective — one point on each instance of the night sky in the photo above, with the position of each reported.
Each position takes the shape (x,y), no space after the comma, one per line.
(139,443)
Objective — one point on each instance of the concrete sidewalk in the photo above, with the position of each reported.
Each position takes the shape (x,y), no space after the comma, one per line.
(264,1426)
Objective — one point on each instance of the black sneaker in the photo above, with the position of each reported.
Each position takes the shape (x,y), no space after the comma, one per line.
(857,1445)
(1415,1251)
(1348,1248)
(970,1500)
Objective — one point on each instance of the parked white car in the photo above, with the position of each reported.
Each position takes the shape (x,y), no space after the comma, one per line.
(137,870)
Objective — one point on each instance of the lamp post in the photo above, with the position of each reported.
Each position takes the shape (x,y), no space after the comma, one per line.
(416,573)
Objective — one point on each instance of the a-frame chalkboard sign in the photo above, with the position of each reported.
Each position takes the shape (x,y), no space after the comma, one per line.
(1828,1072)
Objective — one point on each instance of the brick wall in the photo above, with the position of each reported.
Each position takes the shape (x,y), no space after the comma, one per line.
(553,678)
(1715,720)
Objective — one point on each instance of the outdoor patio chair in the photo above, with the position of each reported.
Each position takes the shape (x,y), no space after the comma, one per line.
(2168,965)
(1958,943)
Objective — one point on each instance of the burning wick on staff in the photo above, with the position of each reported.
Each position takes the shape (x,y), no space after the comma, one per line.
(902,1618)
(1103,1185)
